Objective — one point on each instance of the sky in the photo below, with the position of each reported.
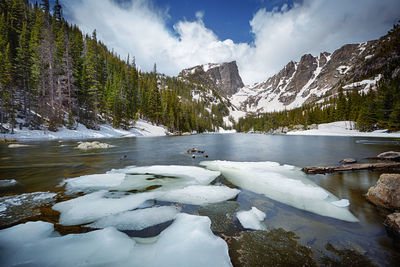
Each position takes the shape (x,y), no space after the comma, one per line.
(261,35)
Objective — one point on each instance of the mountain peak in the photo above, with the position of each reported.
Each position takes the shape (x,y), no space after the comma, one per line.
(223,77)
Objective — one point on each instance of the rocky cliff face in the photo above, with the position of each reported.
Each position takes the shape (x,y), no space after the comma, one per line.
(313,79)
(223,77)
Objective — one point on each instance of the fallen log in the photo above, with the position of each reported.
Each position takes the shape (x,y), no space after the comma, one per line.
(352,167)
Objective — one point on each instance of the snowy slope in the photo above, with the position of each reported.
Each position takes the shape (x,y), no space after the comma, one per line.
(142,128)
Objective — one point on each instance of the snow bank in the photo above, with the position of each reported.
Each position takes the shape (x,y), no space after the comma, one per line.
(138,219)
(92,145)
(343,128)
(283,183)
(140,178)
(10,182)
(223,131)
(142,128)
(252,219)
(187,242)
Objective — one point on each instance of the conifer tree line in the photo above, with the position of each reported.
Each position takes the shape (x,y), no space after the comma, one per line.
(376,109)
(53,75)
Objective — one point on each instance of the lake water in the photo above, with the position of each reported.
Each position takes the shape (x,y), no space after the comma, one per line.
(44,165)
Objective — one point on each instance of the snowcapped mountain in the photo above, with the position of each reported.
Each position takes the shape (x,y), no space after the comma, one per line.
(313,79)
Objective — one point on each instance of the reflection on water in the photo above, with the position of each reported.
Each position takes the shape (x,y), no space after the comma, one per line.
(42,167)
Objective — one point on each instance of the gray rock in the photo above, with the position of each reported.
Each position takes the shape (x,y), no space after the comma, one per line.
(390,155)
(348,161)
(223,77)
(386,192)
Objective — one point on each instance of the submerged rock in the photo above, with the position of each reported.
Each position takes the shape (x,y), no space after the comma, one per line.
(392,224)
(221,215)
(274,248)
(345,257)
(390,155)
(386,192)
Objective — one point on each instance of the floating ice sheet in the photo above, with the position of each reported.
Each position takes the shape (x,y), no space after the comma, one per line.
(187,242)
(252,219)
(138,219)
(199,194)
(140,178)
(283,183)
(93,206)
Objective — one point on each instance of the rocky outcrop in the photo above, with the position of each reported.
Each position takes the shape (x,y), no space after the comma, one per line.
(386,192)
(223,77)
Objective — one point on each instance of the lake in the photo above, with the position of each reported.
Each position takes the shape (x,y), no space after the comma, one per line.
(43,166)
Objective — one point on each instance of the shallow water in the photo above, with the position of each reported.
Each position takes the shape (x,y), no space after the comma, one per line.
(42,167)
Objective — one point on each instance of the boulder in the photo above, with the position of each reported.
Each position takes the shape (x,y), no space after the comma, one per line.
(392,224)
(386,192)
(390,155)
(348,161)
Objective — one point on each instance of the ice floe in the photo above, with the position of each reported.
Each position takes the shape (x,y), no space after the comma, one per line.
(283,183)
(188,241)
(140,178)
(138,219)
(252,219)
(91,207)
(8,182)
(92,145)
(18,145)
(199,194)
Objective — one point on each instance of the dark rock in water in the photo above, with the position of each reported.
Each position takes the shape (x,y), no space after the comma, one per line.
(348,161)
(390,155)
(221,215)
(269,248)
(193,156)
(194,150)
(345,257)
(392,224)
(386,192)
(206,156)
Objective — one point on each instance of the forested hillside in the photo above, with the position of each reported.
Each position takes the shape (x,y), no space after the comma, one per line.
(52,75)
(371,109)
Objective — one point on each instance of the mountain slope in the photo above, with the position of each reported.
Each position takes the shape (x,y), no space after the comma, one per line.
(353,66)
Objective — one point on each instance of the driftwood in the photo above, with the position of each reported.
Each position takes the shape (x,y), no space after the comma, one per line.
(352,167)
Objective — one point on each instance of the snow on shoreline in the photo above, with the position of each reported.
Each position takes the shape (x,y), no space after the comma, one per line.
(142,128)
(343,128)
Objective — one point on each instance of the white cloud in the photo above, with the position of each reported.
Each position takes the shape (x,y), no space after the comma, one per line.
(280,35)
